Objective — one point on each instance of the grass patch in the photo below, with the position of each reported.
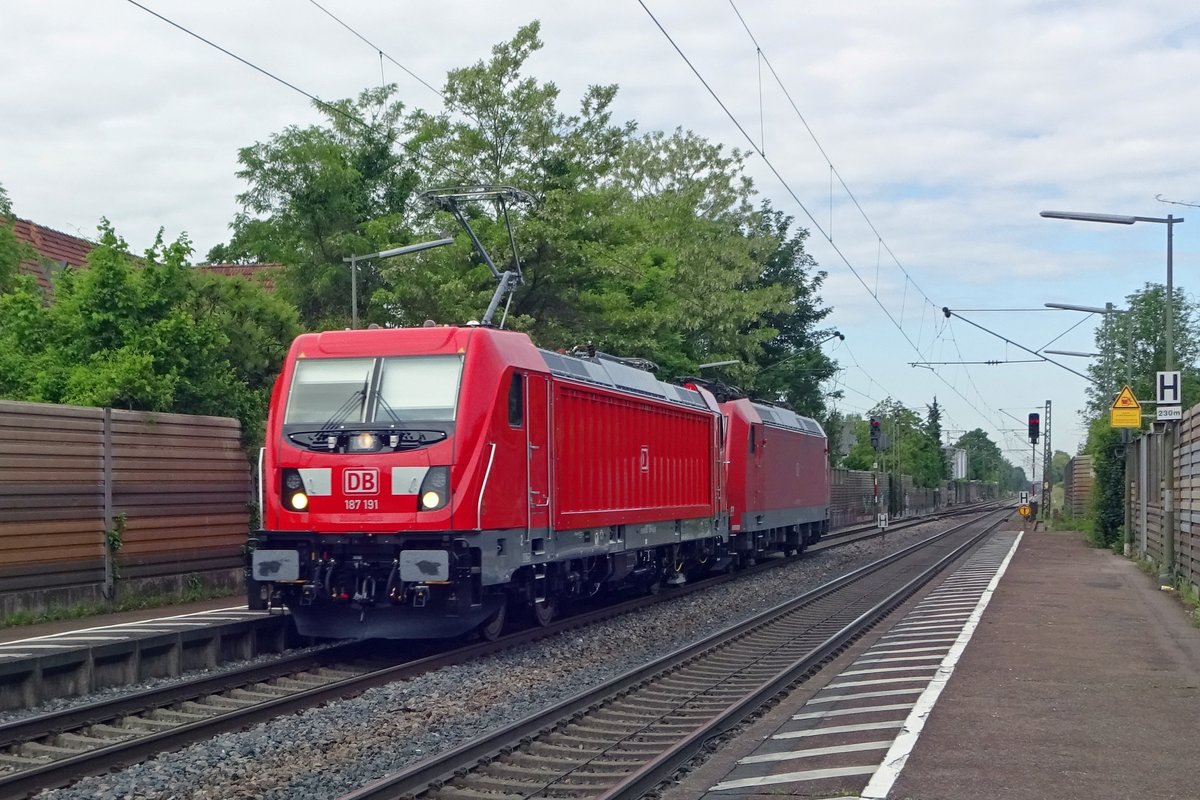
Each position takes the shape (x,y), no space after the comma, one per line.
(1190,600)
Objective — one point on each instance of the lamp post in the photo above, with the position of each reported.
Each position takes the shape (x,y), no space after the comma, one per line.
(1167,571)
(396,251)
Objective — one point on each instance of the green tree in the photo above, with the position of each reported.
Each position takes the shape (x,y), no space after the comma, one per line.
(11,250)
(909,449)
(793,365)
(322,193)
(645,245)
(1058,466)
(933,429)
(1135,343)
(986,462)
(1108,489)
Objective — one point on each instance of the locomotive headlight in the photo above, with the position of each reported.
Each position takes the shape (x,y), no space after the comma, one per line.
(364,442)
(435,489)
(294,495)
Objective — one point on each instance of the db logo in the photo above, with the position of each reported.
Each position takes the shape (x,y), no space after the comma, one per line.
(360,481)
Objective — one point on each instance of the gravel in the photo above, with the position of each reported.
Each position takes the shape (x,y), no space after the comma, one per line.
(325,752)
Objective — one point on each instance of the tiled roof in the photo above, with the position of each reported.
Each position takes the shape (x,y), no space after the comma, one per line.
(55,250)
(265,274)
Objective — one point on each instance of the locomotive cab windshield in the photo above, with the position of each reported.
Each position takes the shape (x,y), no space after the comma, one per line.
(372,404)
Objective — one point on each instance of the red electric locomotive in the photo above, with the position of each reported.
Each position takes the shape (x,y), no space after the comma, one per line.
(418,482)
(777,479)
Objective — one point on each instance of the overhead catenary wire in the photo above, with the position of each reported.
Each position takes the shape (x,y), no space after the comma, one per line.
(327,106)
(803,207)
(384,54)
(929,305)
(779,176)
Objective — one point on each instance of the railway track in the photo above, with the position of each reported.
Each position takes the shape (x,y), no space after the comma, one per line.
(622,739)
(55,749)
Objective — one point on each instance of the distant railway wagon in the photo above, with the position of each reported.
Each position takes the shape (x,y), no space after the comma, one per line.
(420,482)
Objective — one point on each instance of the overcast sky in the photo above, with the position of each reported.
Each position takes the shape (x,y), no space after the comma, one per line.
(950,123)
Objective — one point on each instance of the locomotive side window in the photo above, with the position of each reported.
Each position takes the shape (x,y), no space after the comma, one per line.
(516,400)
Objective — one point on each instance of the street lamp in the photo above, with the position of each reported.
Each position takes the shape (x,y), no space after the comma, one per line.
(396,251)
(1167,572)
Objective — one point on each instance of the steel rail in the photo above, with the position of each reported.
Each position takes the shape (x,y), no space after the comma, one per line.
(436,773)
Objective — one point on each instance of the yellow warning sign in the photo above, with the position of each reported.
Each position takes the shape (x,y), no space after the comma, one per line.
(1126,410)
(1126,399)
(1023,510)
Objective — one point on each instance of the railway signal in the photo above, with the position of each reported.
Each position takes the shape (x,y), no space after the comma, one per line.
(1035,422)
(876,434)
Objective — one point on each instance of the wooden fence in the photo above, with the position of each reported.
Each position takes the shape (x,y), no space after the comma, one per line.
(174,488)
(1146,478)
(1077,486)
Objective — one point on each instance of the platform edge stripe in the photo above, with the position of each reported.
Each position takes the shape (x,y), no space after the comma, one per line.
(893,762)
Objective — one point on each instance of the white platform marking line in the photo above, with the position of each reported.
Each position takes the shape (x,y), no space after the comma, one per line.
(931,625)
(877,682)
(897,756)
(839,729)
(887,648)
(78,639)
(860,695)
(901,636)
(944,605)
(814,752)
(116,626)
(848,712)
(935,657)
(877,670)
(792,777)
(916,615)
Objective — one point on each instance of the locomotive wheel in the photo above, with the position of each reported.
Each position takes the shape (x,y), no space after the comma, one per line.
(494,627)
(545,612)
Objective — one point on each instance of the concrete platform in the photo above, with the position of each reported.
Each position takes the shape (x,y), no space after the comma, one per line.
(1059,671)
(55,660)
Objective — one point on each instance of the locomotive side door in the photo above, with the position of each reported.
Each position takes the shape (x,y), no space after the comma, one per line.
(537,446)
(758,442)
